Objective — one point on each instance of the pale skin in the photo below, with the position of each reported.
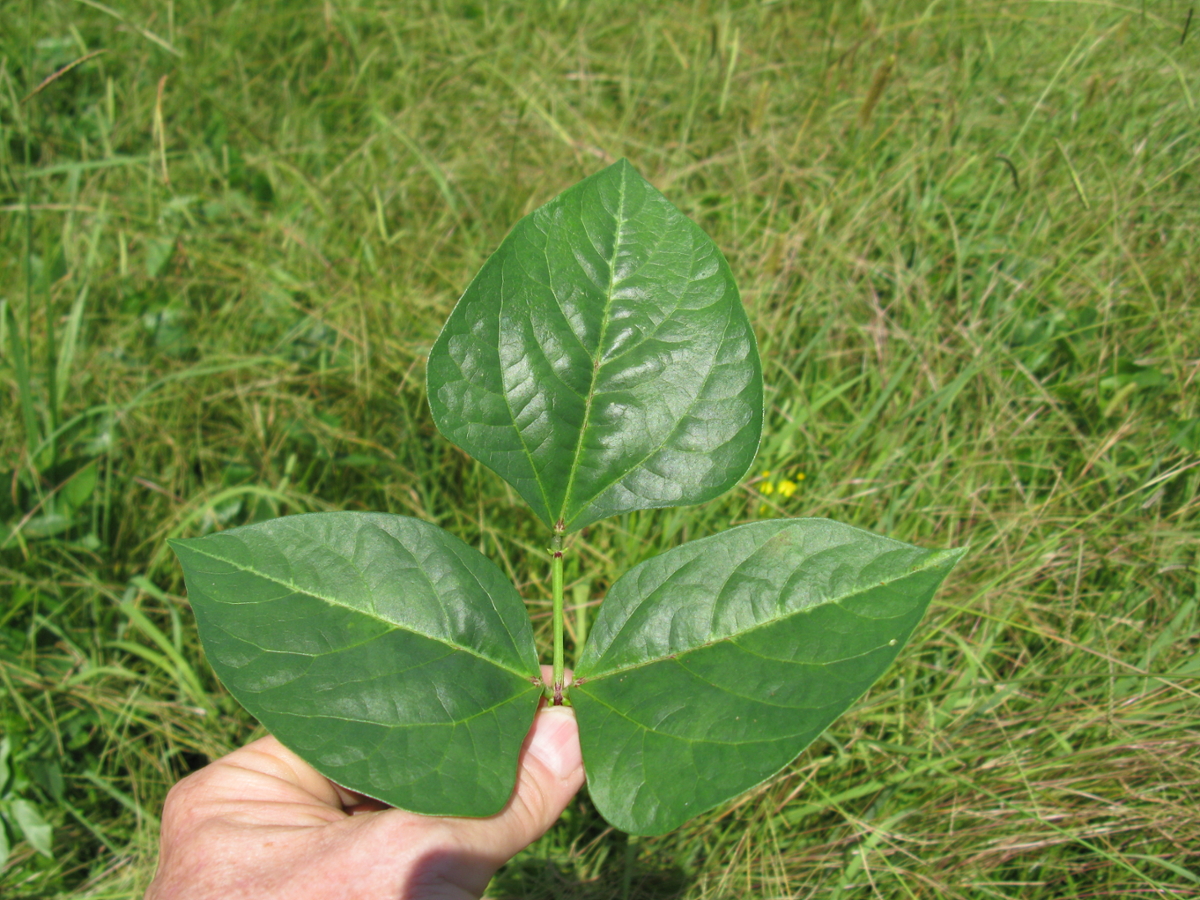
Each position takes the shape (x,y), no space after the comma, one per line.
(261,823)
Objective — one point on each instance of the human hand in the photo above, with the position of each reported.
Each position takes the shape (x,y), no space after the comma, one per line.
(262,823)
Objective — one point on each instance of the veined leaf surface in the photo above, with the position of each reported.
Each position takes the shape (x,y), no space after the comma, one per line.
(711,666)
(601,360)
(395,659)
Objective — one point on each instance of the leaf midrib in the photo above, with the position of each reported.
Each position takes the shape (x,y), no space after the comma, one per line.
(739,634)
(335,602)
(569,493)
(649,730)
(453,723)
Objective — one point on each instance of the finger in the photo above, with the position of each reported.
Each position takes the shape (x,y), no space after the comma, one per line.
(550,774)
(266,771)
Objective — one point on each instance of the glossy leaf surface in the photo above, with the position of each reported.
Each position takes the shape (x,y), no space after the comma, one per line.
(395,659)
(601,360)
(711,666)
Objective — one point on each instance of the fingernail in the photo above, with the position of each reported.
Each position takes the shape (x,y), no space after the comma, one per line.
(556,740)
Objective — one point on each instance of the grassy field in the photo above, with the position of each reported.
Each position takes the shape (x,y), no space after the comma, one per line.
(967,233)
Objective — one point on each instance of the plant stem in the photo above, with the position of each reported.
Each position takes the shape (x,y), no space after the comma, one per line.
(556,581)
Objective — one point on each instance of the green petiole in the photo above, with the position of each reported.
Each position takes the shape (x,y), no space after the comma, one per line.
(556,581)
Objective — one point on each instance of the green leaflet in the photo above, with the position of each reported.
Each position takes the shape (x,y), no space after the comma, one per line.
(391,656)
(711,666)
(601,361)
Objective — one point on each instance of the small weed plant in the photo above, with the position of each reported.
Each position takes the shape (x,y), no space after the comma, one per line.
(600,362)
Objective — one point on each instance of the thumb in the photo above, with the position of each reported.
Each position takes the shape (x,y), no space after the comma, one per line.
(550,774)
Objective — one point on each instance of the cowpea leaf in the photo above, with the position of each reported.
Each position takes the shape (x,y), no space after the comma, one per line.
(711,666)
(601,360)
(395,659)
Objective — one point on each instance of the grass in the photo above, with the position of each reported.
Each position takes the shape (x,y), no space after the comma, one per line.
(967,234)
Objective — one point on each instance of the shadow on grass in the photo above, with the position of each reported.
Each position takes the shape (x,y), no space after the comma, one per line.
(621,877)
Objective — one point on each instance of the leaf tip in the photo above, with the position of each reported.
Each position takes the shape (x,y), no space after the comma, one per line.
(944,559)
(624,164)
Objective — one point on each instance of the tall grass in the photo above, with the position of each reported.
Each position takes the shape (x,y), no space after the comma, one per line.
(967,234)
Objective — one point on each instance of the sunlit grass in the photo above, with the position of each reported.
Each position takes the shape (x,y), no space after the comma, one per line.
(966,234)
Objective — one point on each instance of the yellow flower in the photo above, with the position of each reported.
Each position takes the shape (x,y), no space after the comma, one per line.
(784,487)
